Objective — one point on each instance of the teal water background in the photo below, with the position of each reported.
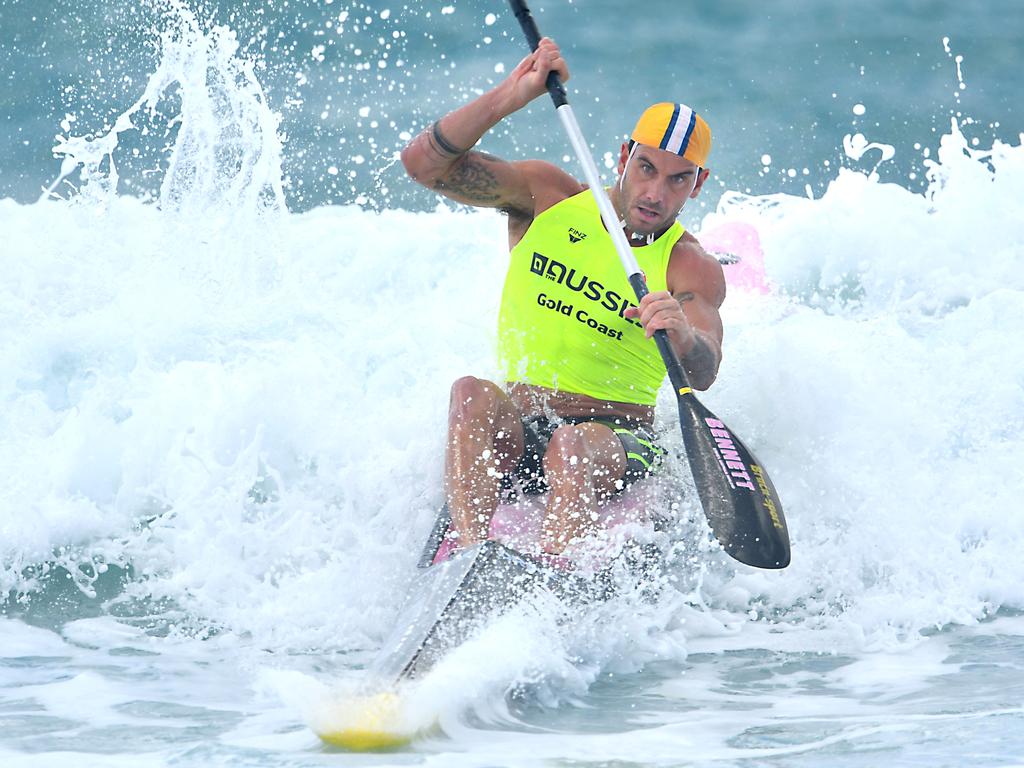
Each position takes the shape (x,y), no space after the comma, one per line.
(780,81)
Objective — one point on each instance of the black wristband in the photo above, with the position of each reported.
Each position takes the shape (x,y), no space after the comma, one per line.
(443,144)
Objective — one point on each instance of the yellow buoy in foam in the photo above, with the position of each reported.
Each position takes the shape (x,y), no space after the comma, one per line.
(368,723)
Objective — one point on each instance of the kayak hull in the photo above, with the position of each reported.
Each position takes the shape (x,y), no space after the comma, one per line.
(456,597)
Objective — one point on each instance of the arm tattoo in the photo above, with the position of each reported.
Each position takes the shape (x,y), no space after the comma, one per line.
(701,361)
(472,180)
(442,143)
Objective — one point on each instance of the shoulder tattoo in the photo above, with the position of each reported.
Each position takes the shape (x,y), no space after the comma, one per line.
(470,179)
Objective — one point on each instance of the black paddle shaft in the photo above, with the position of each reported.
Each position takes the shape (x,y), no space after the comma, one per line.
(554,82)
(739,499)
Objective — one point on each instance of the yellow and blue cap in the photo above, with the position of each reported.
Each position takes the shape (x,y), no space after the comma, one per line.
(676,128)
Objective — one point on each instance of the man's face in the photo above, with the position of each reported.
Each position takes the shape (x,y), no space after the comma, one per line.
(656,185)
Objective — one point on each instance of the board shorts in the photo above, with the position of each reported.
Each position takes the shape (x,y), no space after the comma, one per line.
(643,454)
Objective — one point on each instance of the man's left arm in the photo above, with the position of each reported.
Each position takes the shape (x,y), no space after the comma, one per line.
(704,356)
(688,311)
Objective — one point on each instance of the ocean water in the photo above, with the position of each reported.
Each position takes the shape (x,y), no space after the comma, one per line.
(228,325)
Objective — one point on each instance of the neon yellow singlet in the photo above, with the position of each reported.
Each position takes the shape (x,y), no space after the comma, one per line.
(561,324)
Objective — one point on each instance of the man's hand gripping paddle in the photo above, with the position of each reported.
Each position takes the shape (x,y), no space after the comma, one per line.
(738,497)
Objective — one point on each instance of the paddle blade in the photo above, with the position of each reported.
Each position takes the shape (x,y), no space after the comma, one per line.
(738,497)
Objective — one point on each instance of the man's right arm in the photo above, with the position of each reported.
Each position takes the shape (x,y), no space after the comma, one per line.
(441,158)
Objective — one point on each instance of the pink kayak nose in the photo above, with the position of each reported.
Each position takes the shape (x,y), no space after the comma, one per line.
(737,246)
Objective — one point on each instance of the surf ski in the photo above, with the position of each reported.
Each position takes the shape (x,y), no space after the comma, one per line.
(458,591)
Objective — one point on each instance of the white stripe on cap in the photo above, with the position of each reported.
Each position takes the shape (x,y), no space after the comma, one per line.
(680,135)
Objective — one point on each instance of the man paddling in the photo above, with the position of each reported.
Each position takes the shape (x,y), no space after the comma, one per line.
(581,370)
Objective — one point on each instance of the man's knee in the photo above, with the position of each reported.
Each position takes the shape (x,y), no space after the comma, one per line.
(588,448)
(570,447)
(472,398)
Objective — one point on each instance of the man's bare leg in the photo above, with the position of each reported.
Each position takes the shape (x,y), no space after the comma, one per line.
(485,441)
(583,464)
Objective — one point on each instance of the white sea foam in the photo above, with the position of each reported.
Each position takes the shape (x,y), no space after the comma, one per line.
(254,419)
(889,393)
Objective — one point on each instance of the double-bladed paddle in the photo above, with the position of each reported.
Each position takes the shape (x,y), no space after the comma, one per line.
(738,497)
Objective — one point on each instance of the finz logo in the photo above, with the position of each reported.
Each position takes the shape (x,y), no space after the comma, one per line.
(575,235)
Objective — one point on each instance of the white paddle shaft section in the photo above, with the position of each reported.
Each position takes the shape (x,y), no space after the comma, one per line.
(608,214)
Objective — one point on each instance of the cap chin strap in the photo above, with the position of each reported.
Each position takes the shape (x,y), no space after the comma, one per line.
(629,159)
(622,178)
(696,178)
(637,236)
